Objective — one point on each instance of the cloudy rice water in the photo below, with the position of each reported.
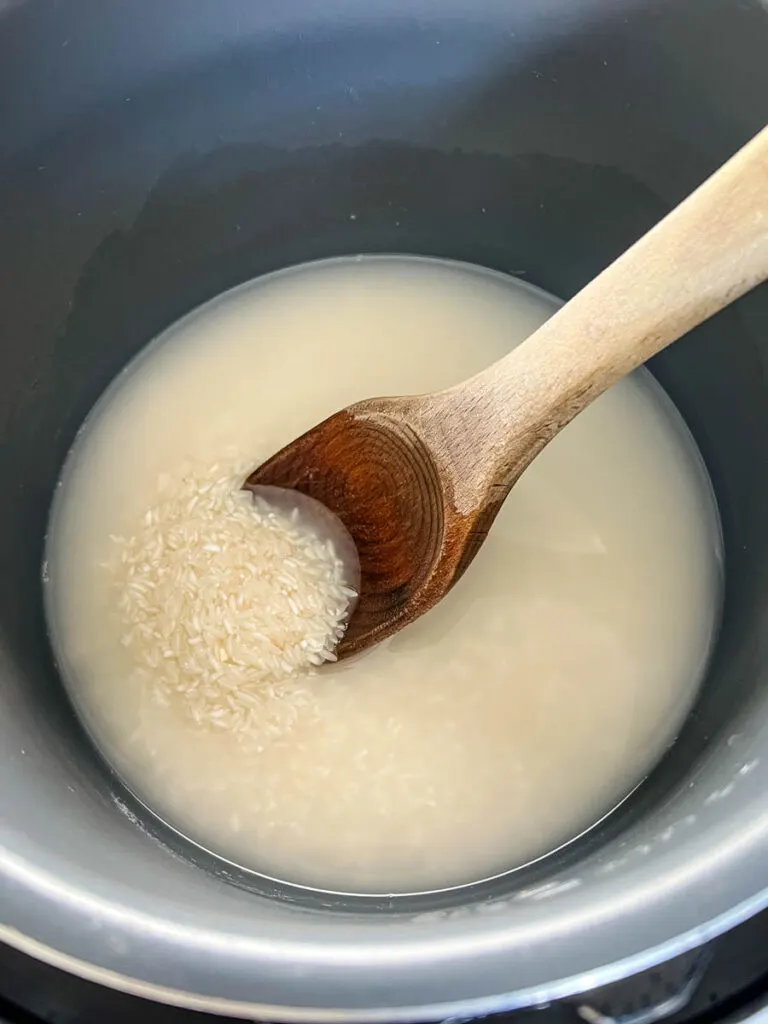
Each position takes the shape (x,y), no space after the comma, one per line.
(195,628)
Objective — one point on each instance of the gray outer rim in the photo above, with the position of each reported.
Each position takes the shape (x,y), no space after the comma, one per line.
(574,985)
(731,855)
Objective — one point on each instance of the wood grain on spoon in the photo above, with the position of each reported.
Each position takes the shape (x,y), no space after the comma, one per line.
(418,480)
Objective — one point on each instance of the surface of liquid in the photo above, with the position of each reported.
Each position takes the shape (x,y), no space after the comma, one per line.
(495,728)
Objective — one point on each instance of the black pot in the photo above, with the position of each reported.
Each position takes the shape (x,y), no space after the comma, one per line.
(155,154)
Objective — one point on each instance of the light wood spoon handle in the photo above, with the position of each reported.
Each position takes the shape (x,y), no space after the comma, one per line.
(702,256)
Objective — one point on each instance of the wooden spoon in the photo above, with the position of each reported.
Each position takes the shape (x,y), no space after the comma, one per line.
(418,480)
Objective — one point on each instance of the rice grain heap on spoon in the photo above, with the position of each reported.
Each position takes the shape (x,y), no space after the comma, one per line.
(223,597)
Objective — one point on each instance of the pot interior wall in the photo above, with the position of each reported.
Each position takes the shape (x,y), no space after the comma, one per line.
(155,155)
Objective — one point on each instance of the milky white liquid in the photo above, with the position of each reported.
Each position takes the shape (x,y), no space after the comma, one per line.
(497,727)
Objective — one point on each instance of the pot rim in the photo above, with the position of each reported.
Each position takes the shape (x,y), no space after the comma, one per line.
(536,996)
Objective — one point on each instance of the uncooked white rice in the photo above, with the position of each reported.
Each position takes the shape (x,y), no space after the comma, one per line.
(222,597)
